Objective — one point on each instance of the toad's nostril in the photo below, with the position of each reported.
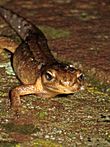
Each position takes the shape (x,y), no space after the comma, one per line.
(81,77)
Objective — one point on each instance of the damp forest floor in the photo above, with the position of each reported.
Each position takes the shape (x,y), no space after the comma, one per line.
(78,32)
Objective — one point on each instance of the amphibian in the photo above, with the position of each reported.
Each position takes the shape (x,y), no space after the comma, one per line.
(35,66)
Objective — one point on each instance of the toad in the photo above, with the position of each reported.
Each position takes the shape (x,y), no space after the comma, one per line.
(35,66)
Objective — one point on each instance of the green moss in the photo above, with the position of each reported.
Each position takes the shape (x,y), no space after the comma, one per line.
(97,87)
(45,143)
(42,115)
(18,145)
(8,144)
(108,137)
(23,129)
(3,94)
(54,33)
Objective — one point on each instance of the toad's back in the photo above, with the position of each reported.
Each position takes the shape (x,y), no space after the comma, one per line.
(33,52)
(29,59)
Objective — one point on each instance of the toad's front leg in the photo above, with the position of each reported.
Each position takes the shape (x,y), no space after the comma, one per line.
(20,91)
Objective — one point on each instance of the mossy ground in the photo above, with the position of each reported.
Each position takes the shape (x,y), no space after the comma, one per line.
(81,119)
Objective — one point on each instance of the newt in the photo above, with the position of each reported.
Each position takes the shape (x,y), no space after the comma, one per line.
(35,66)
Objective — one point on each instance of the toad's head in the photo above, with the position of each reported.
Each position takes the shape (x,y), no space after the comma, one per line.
(62,79)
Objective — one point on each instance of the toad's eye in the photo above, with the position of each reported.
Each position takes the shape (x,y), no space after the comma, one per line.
(49,76)
(81,77)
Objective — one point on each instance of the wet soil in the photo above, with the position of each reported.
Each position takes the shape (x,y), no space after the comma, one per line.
(78,33)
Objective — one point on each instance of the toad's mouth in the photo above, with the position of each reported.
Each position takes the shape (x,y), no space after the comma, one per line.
(64,90)
(52,88)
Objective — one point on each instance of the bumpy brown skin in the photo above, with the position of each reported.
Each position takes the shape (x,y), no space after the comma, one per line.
(34,64)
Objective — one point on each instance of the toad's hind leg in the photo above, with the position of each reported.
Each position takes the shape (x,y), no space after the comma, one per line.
(7,43)
(20,91)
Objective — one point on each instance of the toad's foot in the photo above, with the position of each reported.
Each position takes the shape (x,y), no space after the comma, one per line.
(20,91)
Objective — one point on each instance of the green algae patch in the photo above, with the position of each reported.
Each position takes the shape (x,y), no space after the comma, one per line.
(95,90)
(45,143)
(9,144)
(23,129)
(2,94)
(42,115)
(97,86)
(54,33)
(39,143)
